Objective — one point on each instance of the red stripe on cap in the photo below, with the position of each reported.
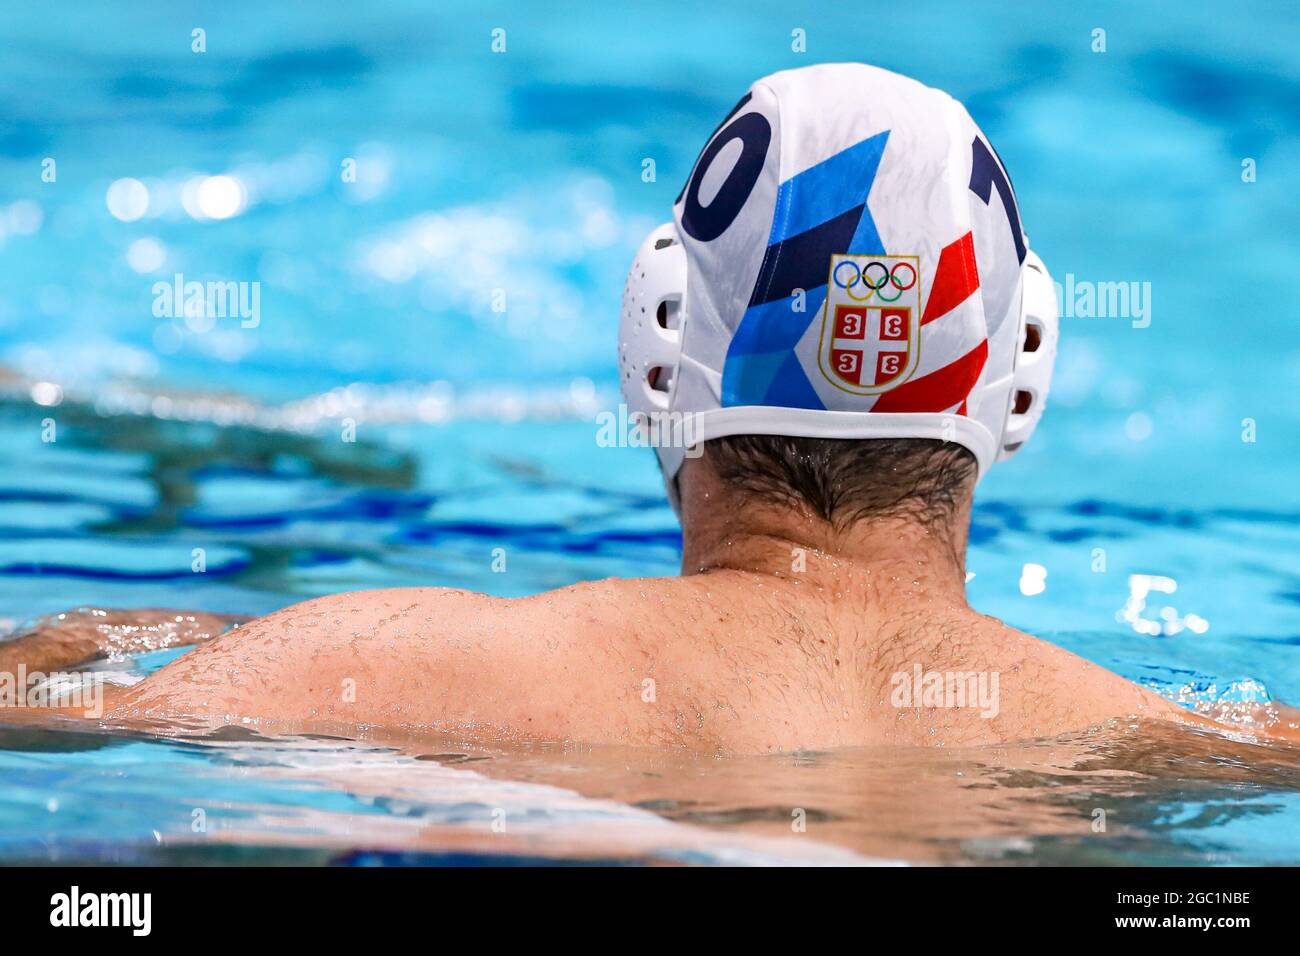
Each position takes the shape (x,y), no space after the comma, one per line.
(942,388)
(955,279)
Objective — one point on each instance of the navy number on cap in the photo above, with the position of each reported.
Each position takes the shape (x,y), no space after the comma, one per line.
(985,173)
(707,223)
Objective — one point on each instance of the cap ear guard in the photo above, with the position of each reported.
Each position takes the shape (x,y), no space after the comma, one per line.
(1035,356)
(653,316)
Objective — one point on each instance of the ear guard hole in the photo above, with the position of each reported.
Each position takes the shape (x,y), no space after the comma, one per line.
(1033,338)
(1023,400)
(668,314)
(660,379)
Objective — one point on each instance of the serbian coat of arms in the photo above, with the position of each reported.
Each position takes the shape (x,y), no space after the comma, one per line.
(871,325)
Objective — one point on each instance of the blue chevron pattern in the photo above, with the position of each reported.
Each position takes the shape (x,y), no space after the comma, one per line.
(819,212)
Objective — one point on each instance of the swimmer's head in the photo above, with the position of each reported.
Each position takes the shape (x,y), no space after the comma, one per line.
(845,293)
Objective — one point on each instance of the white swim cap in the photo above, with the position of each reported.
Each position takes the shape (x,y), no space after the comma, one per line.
(846,261)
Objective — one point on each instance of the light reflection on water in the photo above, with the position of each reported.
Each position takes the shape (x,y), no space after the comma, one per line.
(475,173)
(1122,794)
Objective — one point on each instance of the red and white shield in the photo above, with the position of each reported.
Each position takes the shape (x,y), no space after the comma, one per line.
(870,338)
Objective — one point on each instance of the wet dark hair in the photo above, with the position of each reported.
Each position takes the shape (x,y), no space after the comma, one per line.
(843,480)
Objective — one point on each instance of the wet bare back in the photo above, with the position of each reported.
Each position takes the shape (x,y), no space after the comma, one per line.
(722,661)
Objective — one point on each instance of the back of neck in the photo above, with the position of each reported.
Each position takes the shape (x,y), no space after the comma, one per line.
(904,557)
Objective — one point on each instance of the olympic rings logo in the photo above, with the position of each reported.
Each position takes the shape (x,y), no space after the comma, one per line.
(885,276)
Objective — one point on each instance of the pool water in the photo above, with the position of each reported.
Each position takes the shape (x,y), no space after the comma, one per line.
(1158,498)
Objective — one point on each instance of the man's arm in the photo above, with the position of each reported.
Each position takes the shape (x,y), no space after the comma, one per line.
(86,634)
(1279,721)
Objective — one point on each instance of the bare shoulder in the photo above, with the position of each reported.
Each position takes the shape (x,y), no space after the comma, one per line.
(548,666)
(275,665)
(1037,688)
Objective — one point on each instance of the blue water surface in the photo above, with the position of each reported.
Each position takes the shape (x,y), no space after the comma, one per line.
(456,306)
